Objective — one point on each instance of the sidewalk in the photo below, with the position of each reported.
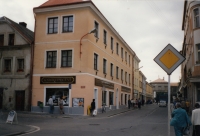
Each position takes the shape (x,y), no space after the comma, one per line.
(8,129)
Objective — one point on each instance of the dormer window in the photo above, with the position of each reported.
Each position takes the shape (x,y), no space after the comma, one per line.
(11,39)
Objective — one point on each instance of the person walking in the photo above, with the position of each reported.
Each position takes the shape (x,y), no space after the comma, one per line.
(179,120)
(196,120)
(129,103)
(187,106)
(92,106)
(139,103)
(61,105)
(51,107)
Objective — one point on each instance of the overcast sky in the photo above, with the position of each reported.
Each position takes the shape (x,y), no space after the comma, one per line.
(147,26)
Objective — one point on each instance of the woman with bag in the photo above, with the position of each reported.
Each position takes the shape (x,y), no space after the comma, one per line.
(180,120)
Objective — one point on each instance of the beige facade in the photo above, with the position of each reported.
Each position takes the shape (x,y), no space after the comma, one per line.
(149,91)
(140,85)
(71,62)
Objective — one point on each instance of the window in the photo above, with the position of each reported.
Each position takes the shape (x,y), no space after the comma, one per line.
(125,55)
(104,37)
(117,71)
(129,78)
(57,93)
(104,66)
(122,54)
(51,59)
(96,25)
(95,61)
(11,39)
(129,59)
(111,69)
(52,25)
(20,65)
(67,23)
(117,48)
(198,53)
(7,65)
(122,74)
(2,40)
(125,76)
(66,58)
(196,17)
(111,98)
(111,43)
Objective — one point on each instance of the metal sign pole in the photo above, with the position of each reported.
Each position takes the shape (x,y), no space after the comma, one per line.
(169,114)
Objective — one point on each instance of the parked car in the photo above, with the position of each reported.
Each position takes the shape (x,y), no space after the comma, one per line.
(162,103)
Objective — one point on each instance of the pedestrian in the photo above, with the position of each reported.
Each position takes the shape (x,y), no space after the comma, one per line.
(179,120)
(136,103)
(183,105)
(92,106)
(196,120)
(139,103)
(61,105)
(132,102)
(51,106)
(187,106)
(129,103)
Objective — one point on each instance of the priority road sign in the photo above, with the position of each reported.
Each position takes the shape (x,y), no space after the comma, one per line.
(169,59)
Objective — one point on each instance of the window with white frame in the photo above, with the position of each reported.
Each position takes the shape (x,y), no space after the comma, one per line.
(7,65)
(51,59)
(111,43)
(96,25)
(111,69)
(117,48)
(67,24)
(198,54)
(95,61)
(117,72)
(66,58)
(104,37)
(53,25)
(196,18)
(104,66)
(20,65)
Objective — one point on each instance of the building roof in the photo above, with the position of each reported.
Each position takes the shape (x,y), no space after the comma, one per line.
(174,84)
(50,3)
(159,81)
(25,32)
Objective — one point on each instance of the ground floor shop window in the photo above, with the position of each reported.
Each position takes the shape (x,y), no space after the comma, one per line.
(104,97)
(56,94)
(111,98)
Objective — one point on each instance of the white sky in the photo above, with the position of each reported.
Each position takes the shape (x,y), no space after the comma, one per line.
(147,26)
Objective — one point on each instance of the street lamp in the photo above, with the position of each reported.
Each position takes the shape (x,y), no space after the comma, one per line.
(92,31)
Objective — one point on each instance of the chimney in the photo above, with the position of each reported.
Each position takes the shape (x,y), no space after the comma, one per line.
(23,24)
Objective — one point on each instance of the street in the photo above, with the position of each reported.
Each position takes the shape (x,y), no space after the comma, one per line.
(151,120)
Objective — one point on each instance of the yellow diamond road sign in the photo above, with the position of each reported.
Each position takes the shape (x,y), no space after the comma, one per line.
(169,59)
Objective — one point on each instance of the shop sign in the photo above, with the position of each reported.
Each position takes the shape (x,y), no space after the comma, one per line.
(103,83)
(125,89)
(58,80)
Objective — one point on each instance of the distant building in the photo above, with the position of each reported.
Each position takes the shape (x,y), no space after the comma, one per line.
(16,42)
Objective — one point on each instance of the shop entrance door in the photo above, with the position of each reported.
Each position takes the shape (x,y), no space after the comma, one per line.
(20,99)
(1,98)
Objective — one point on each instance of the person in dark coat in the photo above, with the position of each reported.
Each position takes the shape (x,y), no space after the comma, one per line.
(179,120)
(129,103)
(139,103)
(92,106)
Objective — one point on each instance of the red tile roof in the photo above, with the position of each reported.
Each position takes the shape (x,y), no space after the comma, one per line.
(50,3)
